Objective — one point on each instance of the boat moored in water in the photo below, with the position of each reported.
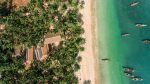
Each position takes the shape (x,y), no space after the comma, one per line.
(137,79)
(134,4)
(140,25)
(128,74)
(125,34)
(128,69)
(105,59)
(146,41)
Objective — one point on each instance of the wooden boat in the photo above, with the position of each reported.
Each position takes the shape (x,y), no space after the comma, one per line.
(105,59)
(146,41)
(134,4)
(128,69)
(128,74)
(140,25)
(137,79)
(125,34)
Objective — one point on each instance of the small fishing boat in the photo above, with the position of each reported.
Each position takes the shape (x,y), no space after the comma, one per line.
(137,79)
(125,34)
(128,74)
(128,69)
(140,25)
(134,4)
(146,41)
(105,59)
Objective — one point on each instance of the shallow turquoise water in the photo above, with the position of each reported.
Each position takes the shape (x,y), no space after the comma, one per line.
(116,17)
(109,42)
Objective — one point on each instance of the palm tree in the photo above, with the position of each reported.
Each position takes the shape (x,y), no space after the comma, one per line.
(29,30)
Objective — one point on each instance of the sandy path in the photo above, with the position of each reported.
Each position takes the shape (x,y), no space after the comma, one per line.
(89,64)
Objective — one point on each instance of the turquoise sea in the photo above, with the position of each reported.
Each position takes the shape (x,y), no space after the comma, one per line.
(114,18)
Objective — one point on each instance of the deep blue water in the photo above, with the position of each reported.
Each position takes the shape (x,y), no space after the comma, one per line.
(135,53)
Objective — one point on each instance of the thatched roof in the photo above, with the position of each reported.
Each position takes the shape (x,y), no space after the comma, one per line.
(18,3)
(52,40)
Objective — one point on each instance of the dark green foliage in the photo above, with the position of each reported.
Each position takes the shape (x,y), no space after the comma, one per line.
(26,29)
(4,8)
(29,30)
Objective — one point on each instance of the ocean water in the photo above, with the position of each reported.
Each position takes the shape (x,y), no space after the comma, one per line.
(136,53)
(109,43)
(115,17)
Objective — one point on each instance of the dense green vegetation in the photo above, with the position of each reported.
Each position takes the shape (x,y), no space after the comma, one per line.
(26,26)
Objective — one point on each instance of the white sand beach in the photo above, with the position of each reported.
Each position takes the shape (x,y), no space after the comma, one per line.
(89,64)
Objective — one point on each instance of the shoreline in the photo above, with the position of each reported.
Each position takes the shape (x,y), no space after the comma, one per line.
(109,40)
(95,39)
(89,65)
